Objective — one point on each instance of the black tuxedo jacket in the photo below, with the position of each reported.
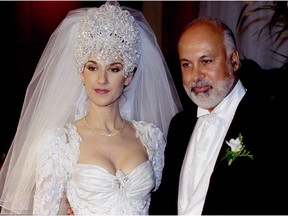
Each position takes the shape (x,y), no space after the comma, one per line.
(258,186)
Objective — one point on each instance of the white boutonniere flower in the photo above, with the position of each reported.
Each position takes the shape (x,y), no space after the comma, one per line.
(237,149)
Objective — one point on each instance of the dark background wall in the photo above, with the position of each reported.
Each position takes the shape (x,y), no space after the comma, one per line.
(27,25)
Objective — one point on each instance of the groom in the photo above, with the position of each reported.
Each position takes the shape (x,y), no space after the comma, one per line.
(232,104)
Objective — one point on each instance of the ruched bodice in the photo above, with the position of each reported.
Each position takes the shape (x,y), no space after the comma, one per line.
(91,189)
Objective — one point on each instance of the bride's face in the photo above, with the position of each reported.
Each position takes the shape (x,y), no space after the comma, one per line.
(104,81)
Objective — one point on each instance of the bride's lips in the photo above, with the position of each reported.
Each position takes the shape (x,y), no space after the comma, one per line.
(101,91)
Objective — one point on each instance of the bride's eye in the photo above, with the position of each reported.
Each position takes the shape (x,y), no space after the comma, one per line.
(92,68)
(116,68)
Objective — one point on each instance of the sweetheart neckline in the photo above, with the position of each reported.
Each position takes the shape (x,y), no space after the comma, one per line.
(117,171)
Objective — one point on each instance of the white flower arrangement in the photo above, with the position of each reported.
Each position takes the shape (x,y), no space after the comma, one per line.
(237,149)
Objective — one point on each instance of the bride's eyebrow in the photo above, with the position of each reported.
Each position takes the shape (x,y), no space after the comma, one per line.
(116,63)
(91,61)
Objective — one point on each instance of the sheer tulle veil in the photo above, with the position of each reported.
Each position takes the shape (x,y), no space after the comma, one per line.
(56,96)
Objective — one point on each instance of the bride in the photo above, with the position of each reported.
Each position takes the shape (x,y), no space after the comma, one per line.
(94,120)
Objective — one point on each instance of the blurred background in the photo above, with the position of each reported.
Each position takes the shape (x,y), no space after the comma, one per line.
(27,25)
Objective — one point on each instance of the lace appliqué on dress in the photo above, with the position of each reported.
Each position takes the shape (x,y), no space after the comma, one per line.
(153,139)
(56,160)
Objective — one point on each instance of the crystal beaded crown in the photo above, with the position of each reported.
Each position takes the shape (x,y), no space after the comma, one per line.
(108,32)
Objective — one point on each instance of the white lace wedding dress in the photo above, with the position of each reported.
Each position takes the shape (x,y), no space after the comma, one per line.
(90,189)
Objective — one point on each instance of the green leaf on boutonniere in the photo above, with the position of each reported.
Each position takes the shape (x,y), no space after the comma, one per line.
(237,149)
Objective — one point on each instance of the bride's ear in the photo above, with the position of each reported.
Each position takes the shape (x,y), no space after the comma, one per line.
(82,78)
(129,78)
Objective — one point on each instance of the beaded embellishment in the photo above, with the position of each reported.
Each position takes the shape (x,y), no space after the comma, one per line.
(109,32)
